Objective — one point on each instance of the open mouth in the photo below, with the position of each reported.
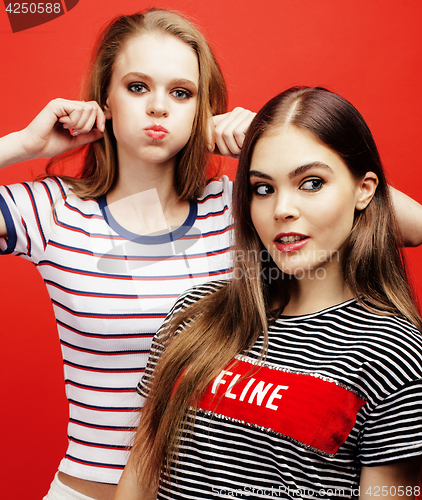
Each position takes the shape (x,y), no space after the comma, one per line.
(290,242)
(284,240)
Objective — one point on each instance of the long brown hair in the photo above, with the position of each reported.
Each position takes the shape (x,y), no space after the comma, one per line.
(99,168)
(224,323)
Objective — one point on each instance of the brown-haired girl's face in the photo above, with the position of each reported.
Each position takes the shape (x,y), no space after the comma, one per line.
(303,202)
(152,98)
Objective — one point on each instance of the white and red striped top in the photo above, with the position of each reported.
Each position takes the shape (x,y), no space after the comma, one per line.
(110,290)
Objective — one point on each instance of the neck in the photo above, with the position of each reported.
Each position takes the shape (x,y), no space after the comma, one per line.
(144,199)
(137,177)
(317,291)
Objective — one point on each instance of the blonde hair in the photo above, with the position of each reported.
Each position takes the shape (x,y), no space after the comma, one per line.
(230,320)
(99,168)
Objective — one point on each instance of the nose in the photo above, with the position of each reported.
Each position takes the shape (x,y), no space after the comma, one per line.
(285,208)
(157,104)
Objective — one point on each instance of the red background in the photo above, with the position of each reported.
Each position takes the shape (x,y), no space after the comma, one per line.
(369,51)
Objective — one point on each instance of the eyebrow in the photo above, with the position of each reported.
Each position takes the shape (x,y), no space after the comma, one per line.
(304,168)
(177,82)
(298,171)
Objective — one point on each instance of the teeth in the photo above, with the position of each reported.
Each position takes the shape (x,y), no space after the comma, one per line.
(290,239)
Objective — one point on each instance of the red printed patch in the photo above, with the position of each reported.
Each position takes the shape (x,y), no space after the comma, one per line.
(306,408)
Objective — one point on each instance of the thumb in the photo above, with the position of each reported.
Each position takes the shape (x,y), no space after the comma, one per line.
(92,136)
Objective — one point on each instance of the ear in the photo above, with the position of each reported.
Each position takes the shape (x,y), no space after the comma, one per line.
(366,190)
(107,110)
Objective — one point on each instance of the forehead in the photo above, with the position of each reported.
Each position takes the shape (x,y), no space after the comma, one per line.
(158,55)
(289,147)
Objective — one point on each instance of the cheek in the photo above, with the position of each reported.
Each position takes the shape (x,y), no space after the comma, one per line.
(259,220)
(336,223)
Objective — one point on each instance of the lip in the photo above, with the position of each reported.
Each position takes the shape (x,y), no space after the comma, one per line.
(156,132)
(290,247)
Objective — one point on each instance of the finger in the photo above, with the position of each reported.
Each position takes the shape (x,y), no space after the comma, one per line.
(228,138)
(223,133)
(210,135)
(85,122)
(100,119)
(91,136)
(93,115)
(219,118)
(241,125)
(231,129)
(82,119)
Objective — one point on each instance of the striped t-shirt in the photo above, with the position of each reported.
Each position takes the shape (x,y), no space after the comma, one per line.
(110,290)
(339,389)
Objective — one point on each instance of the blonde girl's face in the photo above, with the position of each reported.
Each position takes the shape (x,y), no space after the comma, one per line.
(304,200)
(152,98)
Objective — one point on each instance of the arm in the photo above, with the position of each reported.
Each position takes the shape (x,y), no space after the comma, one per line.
(129,487)
(3,230)
(409,217)
(392,481)
(48,134)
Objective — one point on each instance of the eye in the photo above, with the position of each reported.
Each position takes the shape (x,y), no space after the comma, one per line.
(181,94)
(263,190)
(312,185)
(137,88)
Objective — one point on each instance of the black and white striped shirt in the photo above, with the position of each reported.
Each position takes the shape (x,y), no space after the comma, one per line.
(339,389)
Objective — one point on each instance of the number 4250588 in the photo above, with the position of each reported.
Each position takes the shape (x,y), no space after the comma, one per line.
(34,8)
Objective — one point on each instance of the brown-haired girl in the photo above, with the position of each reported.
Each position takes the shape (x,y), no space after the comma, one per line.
(142,223)
(302,376)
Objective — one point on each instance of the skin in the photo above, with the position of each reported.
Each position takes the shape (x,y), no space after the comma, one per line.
(301,186)
(147,166)
(166,93)
(309,192)
(154,82)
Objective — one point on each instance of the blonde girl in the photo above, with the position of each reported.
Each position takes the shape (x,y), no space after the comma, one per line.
(141,223)
(301,377)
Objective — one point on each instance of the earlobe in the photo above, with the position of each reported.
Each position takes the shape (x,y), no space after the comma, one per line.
(366,191)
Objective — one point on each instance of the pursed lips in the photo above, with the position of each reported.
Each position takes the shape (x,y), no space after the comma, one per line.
(156,132)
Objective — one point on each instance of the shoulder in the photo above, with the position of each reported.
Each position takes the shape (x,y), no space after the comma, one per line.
(192,295)
(379,324)
(186,300)
(52,188)
(390,343)
(217,189)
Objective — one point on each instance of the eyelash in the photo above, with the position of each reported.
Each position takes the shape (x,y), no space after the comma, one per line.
(257,186)
(131,87)
(141,88)
(187,94)
(270,189)
(316,180)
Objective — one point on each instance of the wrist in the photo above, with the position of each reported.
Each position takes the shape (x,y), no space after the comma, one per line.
(12,149)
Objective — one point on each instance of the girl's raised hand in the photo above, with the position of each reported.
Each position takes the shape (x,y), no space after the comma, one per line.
(228,131)
(61,126)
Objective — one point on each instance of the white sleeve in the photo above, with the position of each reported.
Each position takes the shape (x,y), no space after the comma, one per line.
(29,212)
